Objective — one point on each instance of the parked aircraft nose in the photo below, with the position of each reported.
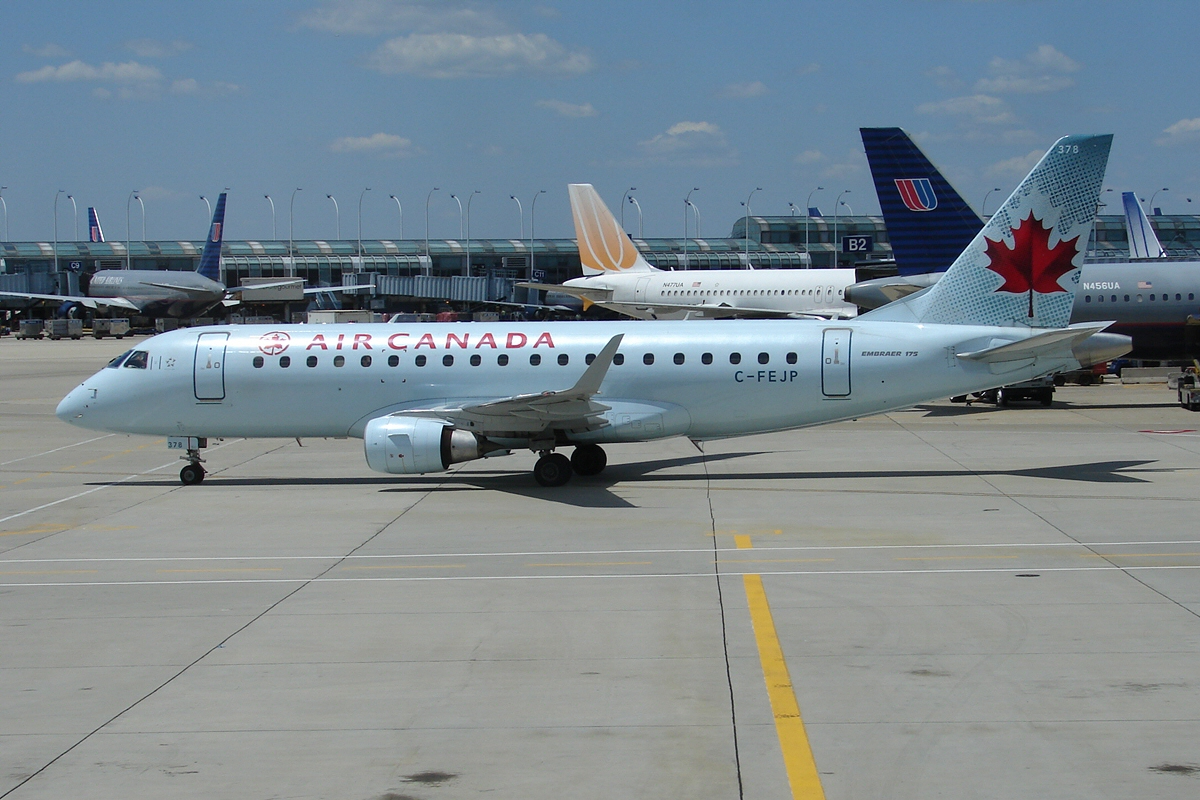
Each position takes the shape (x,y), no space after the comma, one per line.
(72,407)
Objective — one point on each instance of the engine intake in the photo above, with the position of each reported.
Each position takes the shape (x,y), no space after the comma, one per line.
(414,445)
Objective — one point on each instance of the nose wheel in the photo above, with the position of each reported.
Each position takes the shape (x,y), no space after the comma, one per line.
(191,474)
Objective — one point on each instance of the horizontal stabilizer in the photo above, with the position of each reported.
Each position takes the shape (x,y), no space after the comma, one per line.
(1053,341)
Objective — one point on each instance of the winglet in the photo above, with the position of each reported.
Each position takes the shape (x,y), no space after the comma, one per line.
(210,260)
(589,382)
(603,245)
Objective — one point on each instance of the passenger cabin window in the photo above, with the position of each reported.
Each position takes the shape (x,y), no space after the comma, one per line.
(678,358)
(563,358)
(791,358)
(138,359)
(648,359)
(619,359)
(534,360)
(706,358)
(285,361)
(258,362)
(312,361)
(763,358)
(447,360)
(502,359)
(339,361)
(393,361)
(419,360)
(735,358)
(476,360)
(365,361)
(589,358)
(116,362)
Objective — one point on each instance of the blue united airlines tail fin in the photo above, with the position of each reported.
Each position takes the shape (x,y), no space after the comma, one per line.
(210,260)
(95,234)
(928,223)
(1022,269)
(1143,241)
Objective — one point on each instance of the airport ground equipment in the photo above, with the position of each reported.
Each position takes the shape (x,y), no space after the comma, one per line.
(31,329)
(1189,389)
(67,328)
(110,326)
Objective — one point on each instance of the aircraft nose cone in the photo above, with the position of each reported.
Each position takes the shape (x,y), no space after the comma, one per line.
(71,408)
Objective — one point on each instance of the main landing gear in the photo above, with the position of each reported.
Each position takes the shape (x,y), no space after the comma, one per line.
(555,469)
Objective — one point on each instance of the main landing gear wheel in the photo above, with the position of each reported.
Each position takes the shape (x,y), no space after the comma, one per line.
(589,459)
(552,469)
(191,474)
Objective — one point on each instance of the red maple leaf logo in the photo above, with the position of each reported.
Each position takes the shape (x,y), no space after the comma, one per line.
(1031,264)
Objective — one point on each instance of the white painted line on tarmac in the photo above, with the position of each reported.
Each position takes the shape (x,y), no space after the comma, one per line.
(93,490)
(549,553)
(627,576)
(55,450)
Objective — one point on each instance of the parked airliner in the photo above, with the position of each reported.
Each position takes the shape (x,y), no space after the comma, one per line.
(617,277)
(426,396)
(1152,299)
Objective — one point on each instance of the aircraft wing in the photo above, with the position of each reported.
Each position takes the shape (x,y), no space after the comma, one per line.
(587,294)
(572,409)
(88,302)
(722,311)
(175,287)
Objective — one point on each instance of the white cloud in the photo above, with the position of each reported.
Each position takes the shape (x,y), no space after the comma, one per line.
(945,78)
(810,157)
(1046,69)
(46,51)
(1017,167)
(569,109)
(809,69)
(1184,131)
(128,72)
(381,144)
(373,17)
(690,143)
(740,91)
(191,86)
(152,48)
(456,55)
(977,107)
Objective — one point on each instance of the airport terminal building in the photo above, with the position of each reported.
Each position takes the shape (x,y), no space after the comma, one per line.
(404,275)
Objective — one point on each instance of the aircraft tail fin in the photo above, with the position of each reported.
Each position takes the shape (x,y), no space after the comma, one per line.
(95,233)
(210,259)
(603,245)
(1022,269)
(1143,241)
(928,222)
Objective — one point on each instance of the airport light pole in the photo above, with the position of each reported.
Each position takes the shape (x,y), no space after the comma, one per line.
(623,198)
(836,205)
(532,214)
(272,202)
(521,212)
(847,205)
(633,202)
(687,201)
(747,228)
(470,197)
(207,205)
(454,197)
(792,209)
(5,206)
(399,208)
(56,194)
(128,257)
(292,229)
(75,211)
(360,199)
(983,208)
(808,214)
(143,205)
(696,208)
(1156,191)
(428,255)
(337,216)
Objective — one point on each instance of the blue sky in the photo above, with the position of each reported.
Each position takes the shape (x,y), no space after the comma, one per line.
(183,99)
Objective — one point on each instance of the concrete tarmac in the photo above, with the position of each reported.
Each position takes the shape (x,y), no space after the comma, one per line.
(960,602)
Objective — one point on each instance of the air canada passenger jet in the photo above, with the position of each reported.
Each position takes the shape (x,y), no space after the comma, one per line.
(425,396)
(617,277)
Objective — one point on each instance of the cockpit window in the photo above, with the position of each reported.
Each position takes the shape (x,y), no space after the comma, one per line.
(138,359)
(116,362)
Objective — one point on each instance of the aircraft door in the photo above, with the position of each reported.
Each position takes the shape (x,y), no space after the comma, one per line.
(639,289)
(208,374)
(835,362)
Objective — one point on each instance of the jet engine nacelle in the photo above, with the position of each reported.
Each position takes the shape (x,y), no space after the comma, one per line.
(413,445)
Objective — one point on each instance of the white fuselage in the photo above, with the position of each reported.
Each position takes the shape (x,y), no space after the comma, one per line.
(659,294)
(698,379)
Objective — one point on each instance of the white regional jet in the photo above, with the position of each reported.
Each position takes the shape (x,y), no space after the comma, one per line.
(425,396)
(615,276)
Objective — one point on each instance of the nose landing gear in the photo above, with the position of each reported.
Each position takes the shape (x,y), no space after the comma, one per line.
(192,473)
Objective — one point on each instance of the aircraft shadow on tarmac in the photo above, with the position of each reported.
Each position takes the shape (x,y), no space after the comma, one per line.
(595,492)
(985,408)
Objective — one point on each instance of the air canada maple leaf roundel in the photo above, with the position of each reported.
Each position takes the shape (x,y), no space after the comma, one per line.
(1031,263)
(274,343)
